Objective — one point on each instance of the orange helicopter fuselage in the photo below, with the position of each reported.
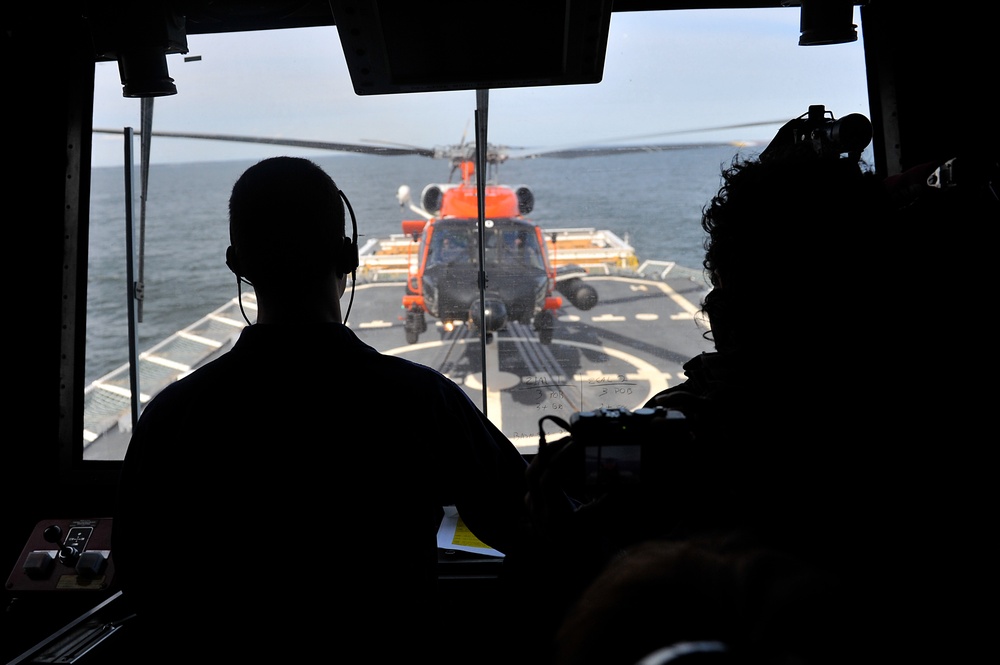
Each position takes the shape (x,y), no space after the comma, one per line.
(463,202)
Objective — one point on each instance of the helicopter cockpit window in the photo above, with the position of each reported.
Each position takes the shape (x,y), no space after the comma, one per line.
(523,248)
(450,247)
(514,248)
(602,188)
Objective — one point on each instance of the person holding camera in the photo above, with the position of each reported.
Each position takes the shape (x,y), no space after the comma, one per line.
(777,396)
(817,495)
(772,414)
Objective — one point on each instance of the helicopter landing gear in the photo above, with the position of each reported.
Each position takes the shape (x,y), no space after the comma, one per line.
(414,325)
(544,322)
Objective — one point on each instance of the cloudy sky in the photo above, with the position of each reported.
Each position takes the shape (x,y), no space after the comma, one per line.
(665,73)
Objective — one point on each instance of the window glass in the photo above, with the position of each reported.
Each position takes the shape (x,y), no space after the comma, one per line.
(594,280)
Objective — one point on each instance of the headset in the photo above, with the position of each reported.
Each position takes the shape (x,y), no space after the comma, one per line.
(349,254)
(690,652)
(347,262)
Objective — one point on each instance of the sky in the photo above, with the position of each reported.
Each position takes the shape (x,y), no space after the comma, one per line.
(665,73)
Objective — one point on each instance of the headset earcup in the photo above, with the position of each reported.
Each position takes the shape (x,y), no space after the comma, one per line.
(349,256)
(233,261)
(349,259)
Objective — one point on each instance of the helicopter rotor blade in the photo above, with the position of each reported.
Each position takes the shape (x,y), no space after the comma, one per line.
(298,143)
(600,151)
(676,132)
(495,153)
(619,145)
(405,146)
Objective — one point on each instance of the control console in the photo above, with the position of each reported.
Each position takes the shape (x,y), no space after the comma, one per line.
(65,555)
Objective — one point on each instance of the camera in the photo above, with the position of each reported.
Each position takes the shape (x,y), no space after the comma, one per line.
(826,136)
(614,449)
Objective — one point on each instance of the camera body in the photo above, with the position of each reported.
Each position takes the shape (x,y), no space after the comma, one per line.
(617,449)
(826,136)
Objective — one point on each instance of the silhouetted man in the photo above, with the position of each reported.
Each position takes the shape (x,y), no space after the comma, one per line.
(287,495)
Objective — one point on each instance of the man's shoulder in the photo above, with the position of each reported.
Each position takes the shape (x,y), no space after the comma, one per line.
(207,383)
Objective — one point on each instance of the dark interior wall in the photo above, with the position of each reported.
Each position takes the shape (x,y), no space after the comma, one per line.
(47,70)
(931,72)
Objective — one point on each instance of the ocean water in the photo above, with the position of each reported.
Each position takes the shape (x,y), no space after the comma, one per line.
(652,199)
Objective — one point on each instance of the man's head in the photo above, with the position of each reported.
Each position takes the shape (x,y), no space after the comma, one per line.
(286,224)
(801,227)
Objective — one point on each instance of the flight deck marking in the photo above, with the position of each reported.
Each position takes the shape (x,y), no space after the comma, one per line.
(683,302)
(496,386)
(644,371)
(638,283)
(214,343)
(229,321)
(658,379)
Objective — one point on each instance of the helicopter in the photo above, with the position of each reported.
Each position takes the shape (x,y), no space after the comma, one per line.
(450,257)
(509,255)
